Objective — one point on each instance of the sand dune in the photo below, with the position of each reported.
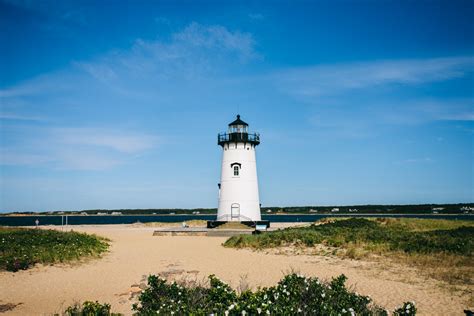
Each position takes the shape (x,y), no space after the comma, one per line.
(135,253)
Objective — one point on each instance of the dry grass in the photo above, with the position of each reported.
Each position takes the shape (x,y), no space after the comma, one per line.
(234,225)
(446,260)
(191,223)
(421,224)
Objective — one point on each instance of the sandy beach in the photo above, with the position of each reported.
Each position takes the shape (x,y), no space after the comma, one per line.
(135,253)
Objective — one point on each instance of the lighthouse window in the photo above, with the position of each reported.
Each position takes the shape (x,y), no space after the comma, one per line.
(236,171)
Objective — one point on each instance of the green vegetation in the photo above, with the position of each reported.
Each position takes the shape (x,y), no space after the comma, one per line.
(442,249)
(389,234)
(90,309)
(294,294)
(22,248)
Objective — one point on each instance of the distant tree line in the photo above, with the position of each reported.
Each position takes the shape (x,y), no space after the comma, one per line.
(346,209)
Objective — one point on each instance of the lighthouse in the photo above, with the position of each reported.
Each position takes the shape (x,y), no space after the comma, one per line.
(238,189)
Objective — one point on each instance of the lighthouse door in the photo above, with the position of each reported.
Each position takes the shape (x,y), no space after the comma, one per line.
(235,211)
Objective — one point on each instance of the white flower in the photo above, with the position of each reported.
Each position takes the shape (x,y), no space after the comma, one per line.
(226,313)
(244,313)
(268,312)
(231,307)
(299,310)
(323,295)
(408,306)
(344,310)
(259,310)
(265,297)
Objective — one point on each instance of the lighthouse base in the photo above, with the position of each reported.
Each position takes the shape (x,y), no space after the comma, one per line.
(253,224)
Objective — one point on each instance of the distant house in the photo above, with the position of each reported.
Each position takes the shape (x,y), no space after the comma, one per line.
(336,209)
(437,208)
(196,212)
(269,211)
(84,213)
(172,213)
(313,211)
(101,213)
(116,213)
(353,210)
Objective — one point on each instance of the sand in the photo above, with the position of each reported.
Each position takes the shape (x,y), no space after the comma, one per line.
(135,253)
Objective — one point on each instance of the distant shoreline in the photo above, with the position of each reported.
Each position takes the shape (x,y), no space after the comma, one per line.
(265,214)
(30,220)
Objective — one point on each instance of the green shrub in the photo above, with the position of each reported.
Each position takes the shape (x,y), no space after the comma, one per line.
(294,294)
(392,235)
(408,308)
(89,308)
(22,248)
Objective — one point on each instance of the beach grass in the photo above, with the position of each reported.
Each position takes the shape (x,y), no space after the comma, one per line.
(190,223)
(442,249)
(22,248)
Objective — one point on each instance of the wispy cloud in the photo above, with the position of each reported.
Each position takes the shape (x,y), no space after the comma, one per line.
(256,16)
(19,117)
(99,137)
(15,157)
(423,160)
(347,121)
(426,110)
(77,148)
(219,37)
(197,52)
(322,80)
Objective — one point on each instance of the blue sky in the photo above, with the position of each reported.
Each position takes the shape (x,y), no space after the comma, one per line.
(117,104)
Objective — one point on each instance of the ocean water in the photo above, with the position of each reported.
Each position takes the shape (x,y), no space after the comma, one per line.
(130,219)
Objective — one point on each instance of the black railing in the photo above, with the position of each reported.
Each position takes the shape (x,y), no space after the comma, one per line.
(223,138)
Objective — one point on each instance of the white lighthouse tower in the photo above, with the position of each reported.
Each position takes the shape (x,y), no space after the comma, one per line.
(238,189)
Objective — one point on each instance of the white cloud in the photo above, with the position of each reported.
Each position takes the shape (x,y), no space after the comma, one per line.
(415,161)
(13,157)
(76,148)
(86,160)
(315,81)
(195,51)
(219,37)
(427,110)
(19,117)
(98,137)
(256,16)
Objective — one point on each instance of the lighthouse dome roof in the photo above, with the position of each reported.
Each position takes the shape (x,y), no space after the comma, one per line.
(238,121)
